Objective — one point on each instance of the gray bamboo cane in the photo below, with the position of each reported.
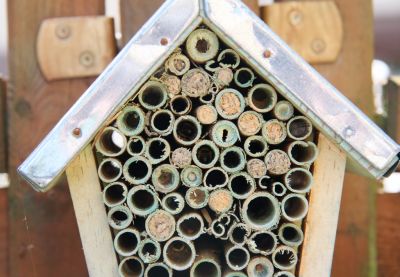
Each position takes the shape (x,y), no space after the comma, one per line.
(202,45)
(141,200)
(114,194)
(278,189)
(260,267)
(261,211)
(225,133)
(302,153)
(136,146)
(157,150)
(157,219)
(137,170)
(284,258)
(119,217)
(126,242)
(110,170)
(205,154)
(283,110)
(262,242)
(233,159)
(244,77)
(262,98)
(179,253)
(191,176)
(149,251)
(294,207)
(237,257)
(173,203)
(238,233)
(215,178)
(180,105)
(111,142)
(153,95)
(165,178)
(131,267)
(187,130)
(190,226)
(299,128)
(299,180)
(291,234)
(162,122)
(241,185)
(255,146)
(131,121)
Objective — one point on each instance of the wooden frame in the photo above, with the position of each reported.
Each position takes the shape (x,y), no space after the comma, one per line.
(320,230)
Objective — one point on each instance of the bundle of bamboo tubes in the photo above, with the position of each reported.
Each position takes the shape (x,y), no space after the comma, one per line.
(207,170)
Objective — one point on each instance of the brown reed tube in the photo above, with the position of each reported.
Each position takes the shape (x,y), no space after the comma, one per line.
(180,105)
(158,270)
(131,267)
(299,128)
(179,253)
(190,226)
(126,242)
(302,153)
(114,194)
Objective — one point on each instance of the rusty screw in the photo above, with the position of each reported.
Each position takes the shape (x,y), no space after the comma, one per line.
(318,45)
(267,54)
(86,59)
(164,41)
(77,132)
(63,31)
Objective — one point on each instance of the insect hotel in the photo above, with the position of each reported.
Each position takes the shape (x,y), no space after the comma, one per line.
(208,148)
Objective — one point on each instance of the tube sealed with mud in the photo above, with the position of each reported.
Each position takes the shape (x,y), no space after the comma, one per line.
(229,103)
(157,219)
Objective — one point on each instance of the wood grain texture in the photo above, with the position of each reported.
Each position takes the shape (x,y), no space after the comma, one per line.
(4,224)
(91,215)
(253,5)
(70,47)
(351,74)
(324,204)
(313,29)
(388,235)
(44,239)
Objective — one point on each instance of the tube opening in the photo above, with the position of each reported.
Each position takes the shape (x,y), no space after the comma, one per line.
(284,258)
(190,226)
(264,242)
(153,95)
(111,142)
(206,269)
(229,58)
(291,234)
(299,127)
(263,98)
(299,180)
(180,105)
(163,121)
(197,196)
(215,177)
(232,159)
(239,235)
(127,242)
(114,194)
(187,130)
(157,149)
(202,45)
(158,271)
(136,146)
(131,119)
(149,249)
(179,253)
(143,199)
(238,257)
(278,189)
(240,185)
(172,203)
(138,169)
(119,216)
(261,210)
(205,154)
(256,146)
(110,170)
(295,207)
(131,267)
(303,153)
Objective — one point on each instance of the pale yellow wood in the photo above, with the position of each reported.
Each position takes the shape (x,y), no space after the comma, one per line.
(91,216)
(313,29)
(324,205)
(70,47)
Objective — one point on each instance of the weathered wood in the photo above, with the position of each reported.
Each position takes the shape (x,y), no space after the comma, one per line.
(3,130)
(388,235)
(392,122)
(324,204)
(44,238)
(71,47)
(313,29)
(91,215)
(3,192)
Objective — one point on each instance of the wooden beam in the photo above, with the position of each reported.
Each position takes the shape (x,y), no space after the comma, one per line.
(4,224)
(44,239)
(324,204)
(91,215)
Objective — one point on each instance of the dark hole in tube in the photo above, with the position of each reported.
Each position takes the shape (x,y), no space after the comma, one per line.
(206,269)
(132,268)
(215,177)
(244,76)
(180,105)
(138,169)
(264,242)
(114,194)
(262,98)
(172,203)
(283,258)
(107,142)
(299,128)
(162,121)
(205,154)
(299,180)
(187,130)
(240,185)
(256,146)
(302,154)
(143,199)
(238,257)
(232,159)
(239,234)
(190,226)
(294,207)
(197,196)
(179,253)
(166,178)
(119,217)
(127,242)
(136,146)
(202,45)
(149,249)
(157,149)
(158,271)
(291,234)
(131,120)
(110,170)
(261,210)
(153,95)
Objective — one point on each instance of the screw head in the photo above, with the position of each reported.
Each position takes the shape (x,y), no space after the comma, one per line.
(267,54)
(86,59)
(77,132)
(318,45)
(63,31)
(349,132)
(164,41)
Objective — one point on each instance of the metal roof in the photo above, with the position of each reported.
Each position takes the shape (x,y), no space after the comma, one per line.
(331,112)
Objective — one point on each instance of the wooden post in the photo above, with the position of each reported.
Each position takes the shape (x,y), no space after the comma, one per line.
(44,238)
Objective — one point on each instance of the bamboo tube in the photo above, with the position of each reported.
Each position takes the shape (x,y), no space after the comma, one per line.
(277,162)
(158,270)
(131,121)
(178,64)
(126,242)
(302,153)
(119,217)
(294,207)
(131,267)
(256,168)
(160,225)
(255,146)
(179,253)
(262,98)
(190,226)
(206,114)
(263,242)
(241,185)
(187,130)
(172,83)
(173,203)
(162,122)
(261,211)
(229,103)
(207,263)
(181,157)
(229,58)
(110,170)
(136,146)
(250,123)
(197,197)
(291,235)
(208,98)
(180,105)
(299,180)
(233,159)
(284,274)
(237,257)
(149,251)
(299,128)
(153,95)
(215,178)
(264,182)
(244,77)
(196,83)
(230,273)
(114,194)
(223,76)
(205,154)
(157,150)
(220,201)
(137,170)
(283,110)
(238,233)
(165,178)
(225,133)
(278,189)
(111,142)
(274,131)
(191,176)
(202,45)
(141,200)
(260,267)
(284,258)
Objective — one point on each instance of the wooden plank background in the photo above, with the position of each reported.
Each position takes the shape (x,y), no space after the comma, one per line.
(44,236)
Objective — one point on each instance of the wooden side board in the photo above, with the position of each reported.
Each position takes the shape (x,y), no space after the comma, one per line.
(324,205)
(91,215)
(3,192)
